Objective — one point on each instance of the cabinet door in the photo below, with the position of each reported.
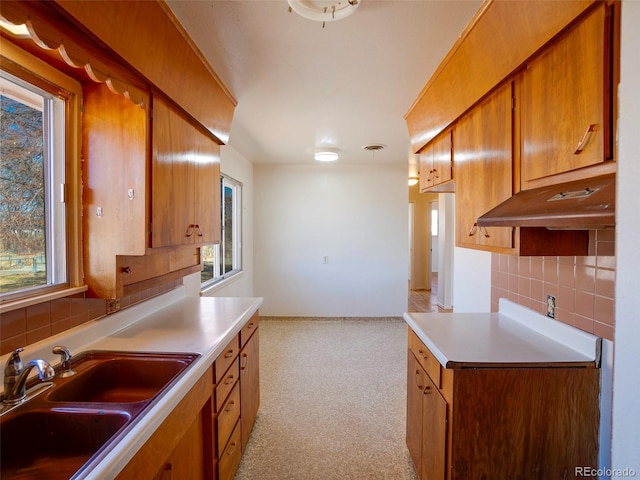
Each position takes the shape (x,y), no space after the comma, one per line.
(416,383)
(249,385)
(187,459)
(434,433)
(426,167)
(483,170)
(442,159)
(435,163)
(563,103)
(173,174)
(185,181)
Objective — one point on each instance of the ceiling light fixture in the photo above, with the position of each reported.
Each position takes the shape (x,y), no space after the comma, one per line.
(413,181)
(326,154)
(324,10)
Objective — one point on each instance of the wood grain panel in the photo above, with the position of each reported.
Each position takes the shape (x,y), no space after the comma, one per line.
(115,184)
(483,170)
(497,41)
(249,385)
(563,94)
(151,40)
(227,418)
(535,423)
(434,433)
(151,456)
(416,383)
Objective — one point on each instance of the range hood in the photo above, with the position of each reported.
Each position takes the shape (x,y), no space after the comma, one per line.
(578,205)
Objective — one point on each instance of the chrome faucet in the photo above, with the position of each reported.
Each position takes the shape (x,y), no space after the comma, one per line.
(65,361)
(15,376)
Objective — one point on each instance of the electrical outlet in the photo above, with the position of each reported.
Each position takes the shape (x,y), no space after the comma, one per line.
(325,259)
(551,306)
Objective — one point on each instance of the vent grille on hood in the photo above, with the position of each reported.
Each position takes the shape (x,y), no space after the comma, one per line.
(582,204)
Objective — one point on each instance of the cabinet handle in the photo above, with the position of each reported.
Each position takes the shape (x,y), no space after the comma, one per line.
(585,139)
(230,406)
(230,379)
(474,229)
(232,450)
(189,231)
(229,354)
(126,269)
(484,232)
(198,230)
(245,360)
(427,391)
(419,375)
(435,173)
(429,178)
(422,354)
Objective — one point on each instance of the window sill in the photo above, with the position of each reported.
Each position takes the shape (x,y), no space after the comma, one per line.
(210,290)
(45,297)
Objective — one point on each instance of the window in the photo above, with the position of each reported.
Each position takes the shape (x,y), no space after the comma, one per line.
(32,217)
(39,180)
(434,220)
(225,259)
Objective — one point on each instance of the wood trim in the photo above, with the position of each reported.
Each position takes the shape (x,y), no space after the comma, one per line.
(498,40)
(161,54)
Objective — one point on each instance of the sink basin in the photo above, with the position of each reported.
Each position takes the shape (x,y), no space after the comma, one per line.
(54,444)
(121,378)
(69,427)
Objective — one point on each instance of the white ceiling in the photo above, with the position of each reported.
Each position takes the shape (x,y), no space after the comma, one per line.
(299,85)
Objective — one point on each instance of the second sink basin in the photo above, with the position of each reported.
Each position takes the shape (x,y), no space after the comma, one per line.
(54,444)
(120,378)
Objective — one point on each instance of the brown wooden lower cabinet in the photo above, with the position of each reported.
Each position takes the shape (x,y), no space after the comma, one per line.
(206,433)
(500,422)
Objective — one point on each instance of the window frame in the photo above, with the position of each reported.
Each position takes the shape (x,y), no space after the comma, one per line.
(30,69)
(218,249)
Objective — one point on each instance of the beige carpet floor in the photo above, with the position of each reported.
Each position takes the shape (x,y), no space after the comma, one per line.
(333,401)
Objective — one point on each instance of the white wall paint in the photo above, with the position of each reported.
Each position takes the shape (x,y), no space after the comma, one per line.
(471,280)
(236,166)
(356,215)
(626,388)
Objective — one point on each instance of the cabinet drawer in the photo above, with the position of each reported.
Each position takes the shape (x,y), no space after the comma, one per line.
(230,458)
(424,356)
(226,358)
(226,383)
(228,417)
(249,328)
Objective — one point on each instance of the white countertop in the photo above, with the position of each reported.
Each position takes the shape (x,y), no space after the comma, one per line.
(171,322)
(513,336)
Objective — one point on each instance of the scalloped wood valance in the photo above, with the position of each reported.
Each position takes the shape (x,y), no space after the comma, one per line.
(51,32)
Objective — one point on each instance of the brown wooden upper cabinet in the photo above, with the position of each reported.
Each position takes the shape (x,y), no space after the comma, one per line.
(185,173)
(436,165)
(484,170)
(566,105)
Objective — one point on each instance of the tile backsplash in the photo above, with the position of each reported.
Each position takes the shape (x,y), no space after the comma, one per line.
(584,286)
(28,325)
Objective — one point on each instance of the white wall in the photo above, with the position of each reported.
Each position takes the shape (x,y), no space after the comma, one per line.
(471,280)
(236,166)
(356,215)
(626,388)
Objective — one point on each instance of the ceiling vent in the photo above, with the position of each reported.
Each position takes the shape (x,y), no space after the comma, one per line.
(374,147)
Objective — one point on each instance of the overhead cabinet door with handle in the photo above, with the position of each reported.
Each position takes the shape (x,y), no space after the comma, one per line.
(567,101)
(483,170)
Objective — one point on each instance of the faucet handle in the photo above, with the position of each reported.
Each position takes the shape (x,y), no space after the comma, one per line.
(13,366)
(65,359)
